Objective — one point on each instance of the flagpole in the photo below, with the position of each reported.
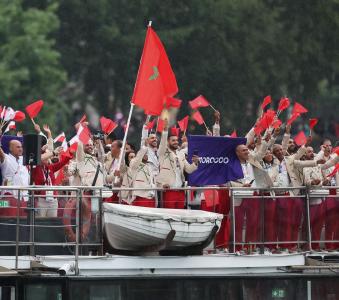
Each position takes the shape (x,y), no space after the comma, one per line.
(212,107)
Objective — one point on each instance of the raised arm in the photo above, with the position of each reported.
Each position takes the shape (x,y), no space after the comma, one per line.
(163,141)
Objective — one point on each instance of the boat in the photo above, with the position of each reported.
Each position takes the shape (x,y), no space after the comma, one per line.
(135,228)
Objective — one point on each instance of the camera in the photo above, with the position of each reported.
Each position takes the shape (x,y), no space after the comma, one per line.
(98,136)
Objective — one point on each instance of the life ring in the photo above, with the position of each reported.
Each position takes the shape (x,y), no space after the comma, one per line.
(69,210)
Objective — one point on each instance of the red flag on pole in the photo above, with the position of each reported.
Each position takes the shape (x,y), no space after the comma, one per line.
(283,104)
(60,138)
(107,125)
(276,124)
(183,123)
(298,108)
(155,79)
(34,108)
(293,118)
(19,116)
(173,102)
(175,131)
(161,125)
(300,139)
(83,119)
(83,134)
(234,134)
(313,122)
(200,101)
(198,118)
(267,101)
(150,124)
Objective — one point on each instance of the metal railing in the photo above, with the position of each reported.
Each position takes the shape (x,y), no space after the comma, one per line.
(253,201)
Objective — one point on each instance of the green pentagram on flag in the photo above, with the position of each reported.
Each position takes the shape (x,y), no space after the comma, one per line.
(155,75)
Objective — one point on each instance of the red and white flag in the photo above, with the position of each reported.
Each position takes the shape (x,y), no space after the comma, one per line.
(10,126)
(84,135)
(73,143)
(60,138)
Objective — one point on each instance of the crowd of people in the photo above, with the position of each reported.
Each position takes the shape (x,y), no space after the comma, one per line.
(164,164)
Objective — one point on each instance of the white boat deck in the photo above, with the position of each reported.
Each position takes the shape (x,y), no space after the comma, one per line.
(159,266)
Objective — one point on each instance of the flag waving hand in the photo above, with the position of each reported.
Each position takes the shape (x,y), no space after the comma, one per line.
(156,80)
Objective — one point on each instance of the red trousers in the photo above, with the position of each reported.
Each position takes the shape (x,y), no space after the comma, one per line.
(317,219)
(11,211)
(174,199)
(252,211)
(270,229)
(289,215)
(223,236)
(332,221)
(113,199)
(140,201)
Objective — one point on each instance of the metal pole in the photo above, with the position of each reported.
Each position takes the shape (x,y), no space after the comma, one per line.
(100,224)
(307,203)
(77,231)
(17,230)
(262,223)
(233,220)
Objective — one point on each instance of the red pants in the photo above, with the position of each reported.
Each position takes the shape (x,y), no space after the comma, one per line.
(289,215)
(223,235)
(317,218)
(140,201)
(174,199)
(332,221)
(252,210)
(113,199)
(270,230)
(11,211)
(239,217)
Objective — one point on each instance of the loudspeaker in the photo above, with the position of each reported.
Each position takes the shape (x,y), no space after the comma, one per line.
(32,149)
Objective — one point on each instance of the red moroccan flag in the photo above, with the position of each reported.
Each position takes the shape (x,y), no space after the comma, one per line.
(293,118)
(155,80)
(198,118)
(107,125)
(283,104)
(175,131)
(34,108)
(300,139)
(313,122)
(173,102)
(183,123)
(200,101)
(298,108)
(161,125)
(234,134)
(19,116)
(267,101)
(84,135)
(150,124)
(276,124)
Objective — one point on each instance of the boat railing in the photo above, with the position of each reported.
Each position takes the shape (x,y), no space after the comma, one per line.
(74,223)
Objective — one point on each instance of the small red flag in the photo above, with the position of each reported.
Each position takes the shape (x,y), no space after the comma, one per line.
(173,102)
(293,118)
(175,131)
(234,134)
(73,143)
(19,116)
(300,139)
(335,170)
(283,104)
(34,108)
(107,125)
(83,119)
(200,101)
(84,134)
(298,108)
(161,125)
(155,80)
(276,124)
(313,122)
(336,150)
(60,138)
(150,124)
(198,118)
(267,101)
(183,124)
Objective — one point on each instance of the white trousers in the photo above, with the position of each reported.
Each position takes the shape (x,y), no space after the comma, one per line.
(47,208)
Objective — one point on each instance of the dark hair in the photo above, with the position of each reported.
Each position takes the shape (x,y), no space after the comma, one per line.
(112,136)
(126,157)
(132,146)
(119,143)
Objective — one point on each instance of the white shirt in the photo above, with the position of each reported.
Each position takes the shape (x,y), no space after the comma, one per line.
(14,173)
(283,179)
(153,161)
(247,170)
